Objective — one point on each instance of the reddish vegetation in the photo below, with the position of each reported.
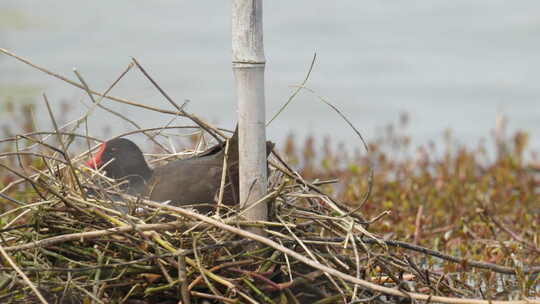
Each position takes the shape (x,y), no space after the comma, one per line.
(456,200)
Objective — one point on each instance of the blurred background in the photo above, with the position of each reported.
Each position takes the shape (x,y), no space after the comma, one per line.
(447,64)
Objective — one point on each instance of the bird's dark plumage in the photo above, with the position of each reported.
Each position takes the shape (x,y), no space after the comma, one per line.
(188,181)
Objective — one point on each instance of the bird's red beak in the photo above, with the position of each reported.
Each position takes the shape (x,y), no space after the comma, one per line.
(96,162)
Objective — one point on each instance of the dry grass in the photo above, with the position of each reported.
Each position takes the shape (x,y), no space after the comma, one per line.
(64,243)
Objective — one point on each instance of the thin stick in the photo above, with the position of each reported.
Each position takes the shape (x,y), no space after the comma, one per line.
(2,195)
(182,277)
(370,176)
(298,89)
(294,175)
(329,270)
(194,118)
(98,104)
(181,111)
(418,225)
(23,276)
(512,233)
(169,99)
(64,148)
(95,234)
(223,178)
(437,254)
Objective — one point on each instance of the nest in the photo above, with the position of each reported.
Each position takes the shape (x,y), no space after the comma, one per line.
(64,245)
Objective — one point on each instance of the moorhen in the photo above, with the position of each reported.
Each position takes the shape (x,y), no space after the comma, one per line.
(188,181)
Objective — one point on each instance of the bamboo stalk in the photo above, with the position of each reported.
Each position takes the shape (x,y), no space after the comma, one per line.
(248,67)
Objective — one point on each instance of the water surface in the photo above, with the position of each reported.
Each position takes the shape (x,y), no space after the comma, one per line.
(449,64)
